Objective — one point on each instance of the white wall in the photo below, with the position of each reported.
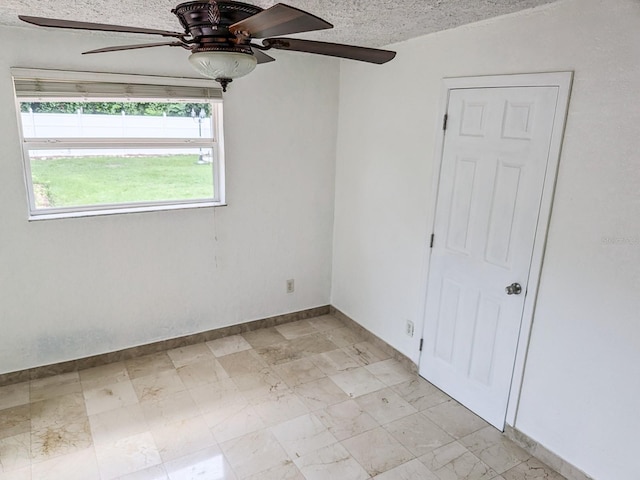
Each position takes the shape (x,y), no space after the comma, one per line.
(77,287)
(582,380)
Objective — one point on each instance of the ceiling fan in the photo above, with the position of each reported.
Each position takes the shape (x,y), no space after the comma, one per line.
(219,36)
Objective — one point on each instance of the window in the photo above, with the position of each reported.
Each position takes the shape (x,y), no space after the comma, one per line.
(105,143)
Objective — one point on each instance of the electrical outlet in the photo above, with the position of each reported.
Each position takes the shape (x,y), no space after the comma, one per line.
(291,286)
(409,328)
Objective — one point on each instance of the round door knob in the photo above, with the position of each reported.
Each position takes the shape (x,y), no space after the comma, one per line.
(514,289)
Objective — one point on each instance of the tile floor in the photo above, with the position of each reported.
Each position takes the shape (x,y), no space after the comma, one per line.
(306,400)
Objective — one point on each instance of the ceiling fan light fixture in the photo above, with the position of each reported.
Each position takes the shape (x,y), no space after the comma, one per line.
(223,65)
(219,35)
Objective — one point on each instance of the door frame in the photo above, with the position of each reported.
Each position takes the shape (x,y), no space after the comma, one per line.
(562,80)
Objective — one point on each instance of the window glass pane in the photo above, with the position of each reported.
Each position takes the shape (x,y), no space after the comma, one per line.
(69,178)
(116,120)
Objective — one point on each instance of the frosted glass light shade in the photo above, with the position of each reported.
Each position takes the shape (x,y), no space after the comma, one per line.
(223,64)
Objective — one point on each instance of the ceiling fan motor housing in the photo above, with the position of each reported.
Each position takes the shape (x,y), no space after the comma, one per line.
(208,24)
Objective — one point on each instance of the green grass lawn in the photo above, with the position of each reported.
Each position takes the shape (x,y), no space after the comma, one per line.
(73,181)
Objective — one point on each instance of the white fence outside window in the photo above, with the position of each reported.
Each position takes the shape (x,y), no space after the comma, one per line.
(79,125)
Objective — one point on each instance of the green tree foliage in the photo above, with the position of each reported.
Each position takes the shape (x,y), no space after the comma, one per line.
(116,108)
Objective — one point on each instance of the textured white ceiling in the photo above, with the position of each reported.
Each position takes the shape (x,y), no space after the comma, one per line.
(371,23)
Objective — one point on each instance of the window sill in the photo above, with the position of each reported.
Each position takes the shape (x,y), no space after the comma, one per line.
(54,215)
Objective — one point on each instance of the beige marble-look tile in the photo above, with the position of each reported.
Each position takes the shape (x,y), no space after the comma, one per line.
(23,473)
(454,419)
(189,354)
(320,393)
(418,434)
(296,329)
(57,410)
(169,409)
(366,353)
(208,463)
(127,455)
(15,420)
(241,363)
(438,458)
(279,407)
(302,435)
(313,344)
(334,362)
(281,352)
(228,345)
(324,323)
(15,452)
(55,386)
(103,375)
(495,449)
(80,465)
(420,393)
(14,395)
(107,427)
(149,365)
(377,451)
(202,372)
(468,467)
(263,337)
(213,396)
(569,471)
(412,470)
(158,385)
(156,472)
(260,383)
(286,471)
(181,438)
(296,348)
(255,401)
(532,469)
(344,336)
(330,462)
(60,439)
(346,419)
(254,452)
(385,405)
(390,372)
(298,372)
(107,397)
(224,412)
(234,421)
(357,382)
(554,462)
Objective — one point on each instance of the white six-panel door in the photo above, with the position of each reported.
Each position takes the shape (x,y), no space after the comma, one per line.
(494,162)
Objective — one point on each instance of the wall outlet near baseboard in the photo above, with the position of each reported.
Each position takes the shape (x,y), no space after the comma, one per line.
(291,286)
(409,328)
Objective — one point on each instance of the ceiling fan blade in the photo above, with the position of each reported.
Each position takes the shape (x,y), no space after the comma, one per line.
(57,23)
(262,57)
(363,54)
(133,47)
(280,19)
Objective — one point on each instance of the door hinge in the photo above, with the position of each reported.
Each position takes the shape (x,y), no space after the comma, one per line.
(421,343)
(431,242)
(444,122)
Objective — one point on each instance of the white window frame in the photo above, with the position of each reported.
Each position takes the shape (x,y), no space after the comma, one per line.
(88,87)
